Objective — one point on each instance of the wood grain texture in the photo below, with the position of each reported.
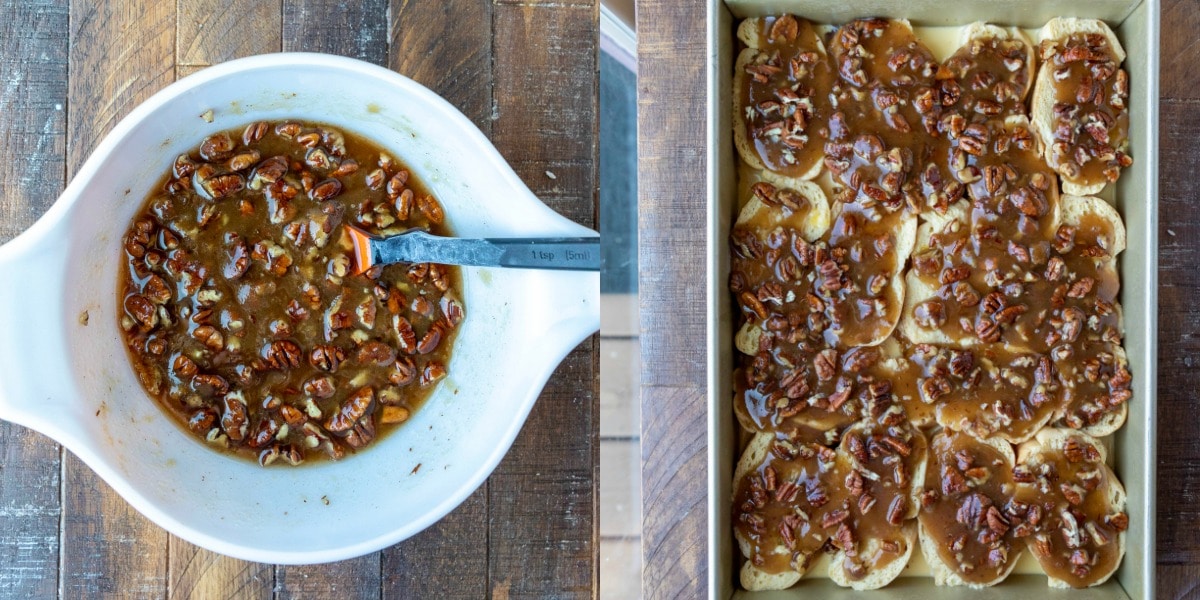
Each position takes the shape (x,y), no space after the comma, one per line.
(194,572)
(674,492)
(671,286)
(671,205)
(30,512)
(33,96)
(212,31)
(354,579)
(450,559)
(1178,548)
(1179,582)
(1179,49)
(355,29)
(542,497)
(121,53)
(546,101)
(1179,338)
(460,72)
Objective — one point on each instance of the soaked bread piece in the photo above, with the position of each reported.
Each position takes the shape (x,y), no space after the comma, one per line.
(1079,534)
(779,110)
(1080,104)
(967,511)
(874,533)
(781,496)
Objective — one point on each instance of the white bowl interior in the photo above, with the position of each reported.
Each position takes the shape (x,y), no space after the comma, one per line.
(519,324)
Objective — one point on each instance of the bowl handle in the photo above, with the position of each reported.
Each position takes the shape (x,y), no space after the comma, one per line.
(575,311)
(35,385)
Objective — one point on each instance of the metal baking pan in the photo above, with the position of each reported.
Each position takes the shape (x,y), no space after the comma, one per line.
(1136,196)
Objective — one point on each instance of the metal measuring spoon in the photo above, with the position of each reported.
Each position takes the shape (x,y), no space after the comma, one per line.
(420,246)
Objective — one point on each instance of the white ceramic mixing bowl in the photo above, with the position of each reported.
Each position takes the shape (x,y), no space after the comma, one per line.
(74,383)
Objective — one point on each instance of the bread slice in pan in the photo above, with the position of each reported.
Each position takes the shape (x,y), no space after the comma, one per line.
(984,32)
(1106,388)
(792,463)
(1078,394)
(765,45)
(753,578)
(900,229)
(811,218)
(944,572)
(1044,92)
(1076,209)
(877,484)
(954,222)
(1067,470)
(878,578)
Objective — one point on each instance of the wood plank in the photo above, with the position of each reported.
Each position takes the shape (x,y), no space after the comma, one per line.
(348,579)
(1179,337)
(546,101)
(620,489)
(460,72)
(672,192)
(30,512)
(212,31)
(33,94)
(621,568)
(543,496)
(450,559)
(1178,581)
(198,573)
(671,233)
(620,368)
(1179,49)
(674,493)
(355,29)
(120,54)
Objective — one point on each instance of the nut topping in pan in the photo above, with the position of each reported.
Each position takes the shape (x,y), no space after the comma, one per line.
(1079,538)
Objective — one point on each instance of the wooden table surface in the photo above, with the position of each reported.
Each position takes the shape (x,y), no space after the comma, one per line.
(671,143)
(69,71)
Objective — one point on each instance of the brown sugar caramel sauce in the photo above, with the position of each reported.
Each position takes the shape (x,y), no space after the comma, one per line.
(804,493)
(1062,306)
(967,508)
(1091,119)
(809,300)
(241,316)
(780,506)
(877,464)
(1077,536)
(785,117)
(885,112)
(988,390)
